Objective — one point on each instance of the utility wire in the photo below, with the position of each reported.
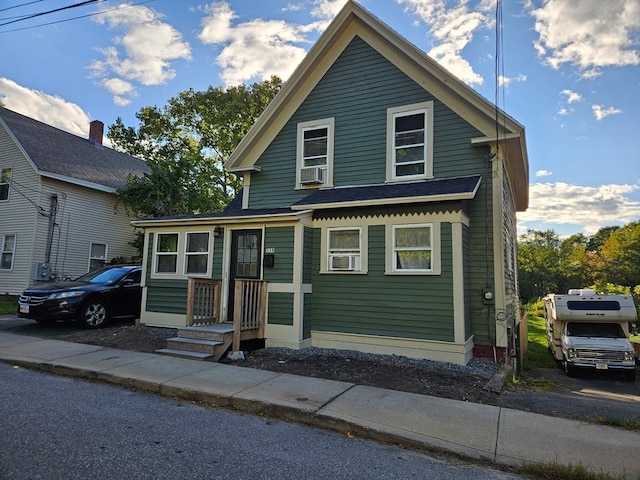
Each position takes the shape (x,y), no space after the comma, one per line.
(21,5)
(80,16)
(75,5)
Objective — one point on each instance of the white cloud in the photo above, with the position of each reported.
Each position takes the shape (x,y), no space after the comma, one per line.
(506,81)
(453,29)
(600,112)
(49,109)
(563,111)
(572,97)
(256,48)
(543,173)
(589,34)
(588,208)
(142,54)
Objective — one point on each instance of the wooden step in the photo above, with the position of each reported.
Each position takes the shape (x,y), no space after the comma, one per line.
(215,332)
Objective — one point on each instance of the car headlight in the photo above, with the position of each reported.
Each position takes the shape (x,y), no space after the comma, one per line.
(572,353)
(629,356)
(58,296)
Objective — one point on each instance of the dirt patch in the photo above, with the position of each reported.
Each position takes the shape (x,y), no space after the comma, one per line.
(382,371)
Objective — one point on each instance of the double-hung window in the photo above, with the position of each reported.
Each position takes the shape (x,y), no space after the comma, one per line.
(344,249)
(166,253)
(7,251)
(97,256)
(409,144)
(196,261)
(412,248)
(315,153)
(5,181)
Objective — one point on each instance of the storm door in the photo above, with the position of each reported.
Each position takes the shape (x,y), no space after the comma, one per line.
(246,259)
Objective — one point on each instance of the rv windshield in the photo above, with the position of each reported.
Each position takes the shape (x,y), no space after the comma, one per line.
(602,330)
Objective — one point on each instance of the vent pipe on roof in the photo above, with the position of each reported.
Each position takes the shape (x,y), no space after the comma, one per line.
(96,129)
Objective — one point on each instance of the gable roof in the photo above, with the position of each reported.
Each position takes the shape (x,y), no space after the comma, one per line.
(354,21)
(63,156)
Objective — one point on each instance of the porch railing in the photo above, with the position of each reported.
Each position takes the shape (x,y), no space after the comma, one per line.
(249,309)
(203,301)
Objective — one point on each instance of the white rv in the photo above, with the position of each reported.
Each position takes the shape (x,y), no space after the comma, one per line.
(588,330)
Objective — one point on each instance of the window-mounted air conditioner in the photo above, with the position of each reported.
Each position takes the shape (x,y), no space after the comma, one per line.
(343,262)
(311,175)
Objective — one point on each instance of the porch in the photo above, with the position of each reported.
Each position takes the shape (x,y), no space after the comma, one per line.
(206,336)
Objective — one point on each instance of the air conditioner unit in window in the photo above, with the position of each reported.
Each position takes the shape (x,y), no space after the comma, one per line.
(343,262)
(311,175)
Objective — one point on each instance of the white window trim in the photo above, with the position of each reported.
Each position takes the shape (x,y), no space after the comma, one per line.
(106,253)
(8,182)
(3,238)
(329,124)
(157,254)
(390,264)
(427,109)
(363,262)
(208,253)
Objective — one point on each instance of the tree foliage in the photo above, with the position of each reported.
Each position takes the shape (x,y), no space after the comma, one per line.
(608,261)
(185,145)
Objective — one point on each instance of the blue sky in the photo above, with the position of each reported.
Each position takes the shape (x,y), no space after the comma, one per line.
(569,71)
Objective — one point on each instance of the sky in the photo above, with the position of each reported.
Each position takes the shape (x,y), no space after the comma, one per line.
(568,70)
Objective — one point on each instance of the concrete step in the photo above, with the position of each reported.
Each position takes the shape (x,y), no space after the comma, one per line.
(193,345)
(184,354)
(215,332)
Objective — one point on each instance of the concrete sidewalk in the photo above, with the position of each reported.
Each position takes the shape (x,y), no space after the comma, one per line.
(500,435)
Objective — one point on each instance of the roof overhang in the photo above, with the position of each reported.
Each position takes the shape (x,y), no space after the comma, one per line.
(223,218)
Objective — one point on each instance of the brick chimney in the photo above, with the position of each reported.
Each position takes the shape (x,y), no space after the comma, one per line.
(96,129)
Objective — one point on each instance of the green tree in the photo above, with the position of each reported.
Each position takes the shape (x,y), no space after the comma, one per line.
(538,263)
(185,145)
(620,256)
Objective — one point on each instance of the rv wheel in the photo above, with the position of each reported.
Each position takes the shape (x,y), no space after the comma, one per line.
(569,369)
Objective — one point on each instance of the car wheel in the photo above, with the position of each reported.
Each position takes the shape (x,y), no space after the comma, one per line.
(94,314)
(569,369)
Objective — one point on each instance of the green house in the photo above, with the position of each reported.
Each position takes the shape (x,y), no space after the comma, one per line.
(378,209)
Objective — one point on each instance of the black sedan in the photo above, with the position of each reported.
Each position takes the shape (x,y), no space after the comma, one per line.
(91,300)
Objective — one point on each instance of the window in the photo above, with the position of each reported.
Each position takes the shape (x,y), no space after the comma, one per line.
(344,249)
(315,153)
(196,257)
(412,248)
(5,181)
(409,146)
(97,256)
(167,253)
(8,247)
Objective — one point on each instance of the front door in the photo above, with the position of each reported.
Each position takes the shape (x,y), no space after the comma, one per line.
(246,259)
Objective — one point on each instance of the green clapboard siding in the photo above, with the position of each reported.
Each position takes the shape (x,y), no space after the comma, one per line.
(356,91)
(307,315)
(167,296)
(218,257)
(280,310)
(396,306)
(307,259)
(281,239)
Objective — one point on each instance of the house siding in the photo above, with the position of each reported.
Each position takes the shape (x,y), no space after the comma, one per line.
(418,307)
(280,308)
(281,240)
(361,80)
(18,214)
(167,296)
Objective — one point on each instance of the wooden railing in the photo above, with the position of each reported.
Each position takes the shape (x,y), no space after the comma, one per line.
(249,309)
(203,301)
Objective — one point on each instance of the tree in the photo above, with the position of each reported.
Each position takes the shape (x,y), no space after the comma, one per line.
(185,145)
(620,256)
(538,263)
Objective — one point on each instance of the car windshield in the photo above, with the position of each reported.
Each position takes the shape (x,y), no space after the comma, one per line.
(602,330)
(104,277)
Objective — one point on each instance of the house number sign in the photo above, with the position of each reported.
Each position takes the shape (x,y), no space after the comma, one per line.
(270,250)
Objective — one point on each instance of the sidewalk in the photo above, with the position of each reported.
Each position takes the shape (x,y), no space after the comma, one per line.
(500,435)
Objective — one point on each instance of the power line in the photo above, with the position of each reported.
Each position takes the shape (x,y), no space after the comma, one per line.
(75,5)
(21,5)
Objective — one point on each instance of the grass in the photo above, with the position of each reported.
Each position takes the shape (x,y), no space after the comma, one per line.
(554,471)
(538,354)
(8,304)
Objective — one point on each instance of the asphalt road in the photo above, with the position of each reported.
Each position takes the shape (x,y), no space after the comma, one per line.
(57,427)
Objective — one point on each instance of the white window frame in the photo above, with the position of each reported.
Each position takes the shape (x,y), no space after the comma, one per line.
(5,179)
(425,108)
(329,124)
(434,248)
(4,251)
(359,255)
(206,253)
(158,254)
(93,257)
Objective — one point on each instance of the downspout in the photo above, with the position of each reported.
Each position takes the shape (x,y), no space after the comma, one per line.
(53,211)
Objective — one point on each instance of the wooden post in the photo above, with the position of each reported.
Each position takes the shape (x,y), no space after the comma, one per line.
(190,300)
(237,314)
